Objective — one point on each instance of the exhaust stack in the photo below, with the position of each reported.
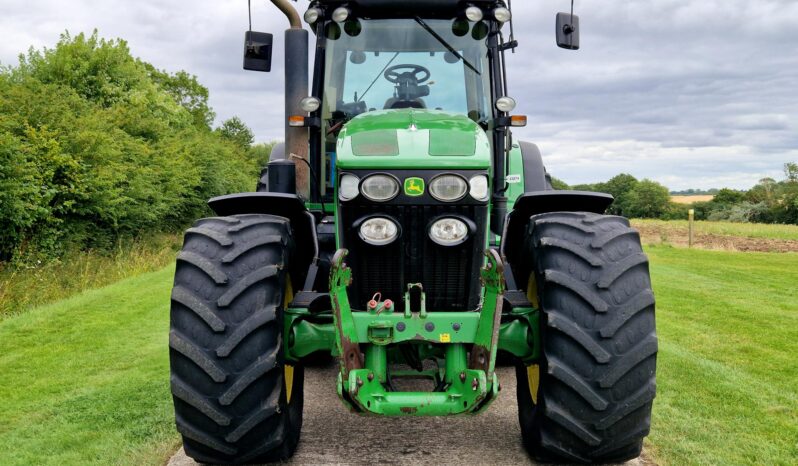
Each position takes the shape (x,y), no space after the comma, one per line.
(296,88)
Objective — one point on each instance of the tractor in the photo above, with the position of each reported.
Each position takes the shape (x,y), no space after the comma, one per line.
(402,230)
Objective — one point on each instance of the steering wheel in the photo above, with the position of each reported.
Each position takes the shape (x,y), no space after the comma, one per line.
(399,73)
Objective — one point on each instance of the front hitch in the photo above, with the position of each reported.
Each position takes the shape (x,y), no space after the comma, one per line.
(467,385)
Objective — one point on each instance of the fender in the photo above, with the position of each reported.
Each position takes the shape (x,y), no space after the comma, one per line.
(535,176)
(541,202)
(290,206)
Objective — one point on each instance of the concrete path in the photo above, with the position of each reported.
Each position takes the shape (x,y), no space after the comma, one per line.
(332,435)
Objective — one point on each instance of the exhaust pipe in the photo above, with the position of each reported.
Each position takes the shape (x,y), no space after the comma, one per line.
(296,88)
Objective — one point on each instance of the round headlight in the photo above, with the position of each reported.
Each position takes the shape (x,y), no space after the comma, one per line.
(448,232)
(448,188)
(380,188)
(379,231)
(310,104)
(473,14)
(347,187)
(502,14)
(340,14)
(312,15)
(479,187)
(505,104)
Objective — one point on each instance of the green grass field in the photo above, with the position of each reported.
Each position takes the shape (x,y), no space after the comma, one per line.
(85,380)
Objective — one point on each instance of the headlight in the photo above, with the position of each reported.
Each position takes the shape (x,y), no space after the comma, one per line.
(340,14)
(479,187)
(505,104)
(379,231)
(448,188)
(380,188)
(448,232)
(502,14)
(312,15)
(347,188)
(310,104)
(473,14)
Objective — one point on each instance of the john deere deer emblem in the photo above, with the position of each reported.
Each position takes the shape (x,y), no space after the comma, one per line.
(414,186)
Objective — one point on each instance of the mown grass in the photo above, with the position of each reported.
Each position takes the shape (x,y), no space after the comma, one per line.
(24,287)
(728,367)
(747,230)
(85,380)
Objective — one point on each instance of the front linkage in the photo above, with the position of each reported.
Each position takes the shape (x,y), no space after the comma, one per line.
(470,384)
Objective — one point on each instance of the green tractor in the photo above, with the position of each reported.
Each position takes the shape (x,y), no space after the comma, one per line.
(403,230)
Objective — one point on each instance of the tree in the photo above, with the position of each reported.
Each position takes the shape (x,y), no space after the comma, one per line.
(234,130)
(728,197)
(557,183)
(791,172)
(186,91)
(620,186)
(647,199)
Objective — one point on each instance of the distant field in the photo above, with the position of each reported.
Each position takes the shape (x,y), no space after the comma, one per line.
(720,235)
(679,199)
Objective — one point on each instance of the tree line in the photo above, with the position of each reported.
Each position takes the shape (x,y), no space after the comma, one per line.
(96,145)
(769,201)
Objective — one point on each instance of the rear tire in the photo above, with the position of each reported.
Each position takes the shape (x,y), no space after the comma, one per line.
(592,397)
(235,399)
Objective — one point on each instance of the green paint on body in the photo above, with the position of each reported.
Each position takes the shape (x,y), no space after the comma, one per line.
(412,138)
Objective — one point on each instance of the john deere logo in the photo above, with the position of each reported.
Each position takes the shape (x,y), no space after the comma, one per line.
(414,186)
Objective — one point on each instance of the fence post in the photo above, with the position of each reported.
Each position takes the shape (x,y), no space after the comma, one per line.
(690,218)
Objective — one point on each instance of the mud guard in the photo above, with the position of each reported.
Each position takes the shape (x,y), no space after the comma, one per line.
(540,202)
(290,206)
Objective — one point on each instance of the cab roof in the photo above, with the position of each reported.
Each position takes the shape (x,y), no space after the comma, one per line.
(409,8)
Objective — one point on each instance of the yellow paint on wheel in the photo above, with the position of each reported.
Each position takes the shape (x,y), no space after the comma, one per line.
(289,381)
(288,370)
(532,291)
(533,380)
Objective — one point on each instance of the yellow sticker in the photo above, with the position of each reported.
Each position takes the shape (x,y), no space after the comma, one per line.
(446,338)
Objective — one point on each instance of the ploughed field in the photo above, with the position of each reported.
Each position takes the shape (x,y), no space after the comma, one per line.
(726,236)
(85,380)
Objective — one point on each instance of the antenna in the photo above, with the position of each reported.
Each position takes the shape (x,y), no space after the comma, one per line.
(512,32)
(249,36)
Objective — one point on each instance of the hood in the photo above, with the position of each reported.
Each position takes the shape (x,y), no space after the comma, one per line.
(412,138)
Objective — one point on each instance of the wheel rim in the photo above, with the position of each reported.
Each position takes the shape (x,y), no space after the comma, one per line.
(533,371)
(288,369)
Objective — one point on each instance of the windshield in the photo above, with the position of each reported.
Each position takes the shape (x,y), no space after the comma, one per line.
(405,63)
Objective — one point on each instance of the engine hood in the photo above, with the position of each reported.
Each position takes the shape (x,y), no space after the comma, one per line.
(412,138)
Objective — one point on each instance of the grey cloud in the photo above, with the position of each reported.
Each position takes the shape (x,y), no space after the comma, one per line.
(692,94)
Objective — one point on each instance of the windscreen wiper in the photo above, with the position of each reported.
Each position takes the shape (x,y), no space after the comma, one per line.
(445,44)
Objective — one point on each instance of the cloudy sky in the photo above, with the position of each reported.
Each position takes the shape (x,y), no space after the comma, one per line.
(693,94)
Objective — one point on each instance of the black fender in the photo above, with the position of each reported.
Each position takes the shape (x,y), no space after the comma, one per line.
(535,176)
(541,202)
(277,153)
(290,206)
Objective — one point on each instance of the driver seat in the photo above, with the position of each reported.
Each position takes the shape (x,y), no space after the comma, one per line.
(408,93)
(396,103)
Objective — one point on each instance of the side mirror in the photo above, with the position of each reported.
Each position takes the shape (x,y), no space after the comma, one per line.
(568,31)
(257,51)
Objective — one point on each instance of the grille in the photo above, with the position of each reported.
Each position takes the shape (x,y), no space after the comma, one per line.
(450,275)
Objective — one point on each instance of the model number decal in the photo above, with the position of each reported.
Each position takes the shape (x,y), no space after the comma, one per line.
(513,179)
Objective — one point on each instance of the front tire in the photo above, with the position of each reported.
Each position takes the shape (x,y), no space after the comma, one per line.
(235,399)
(590,398)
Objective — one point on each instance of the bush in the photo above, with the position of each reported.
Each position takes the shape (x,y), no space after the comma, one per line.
(96,145)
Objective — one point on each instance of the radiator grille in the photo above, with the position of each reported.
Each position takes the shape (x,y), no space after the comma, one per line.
(450,275)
